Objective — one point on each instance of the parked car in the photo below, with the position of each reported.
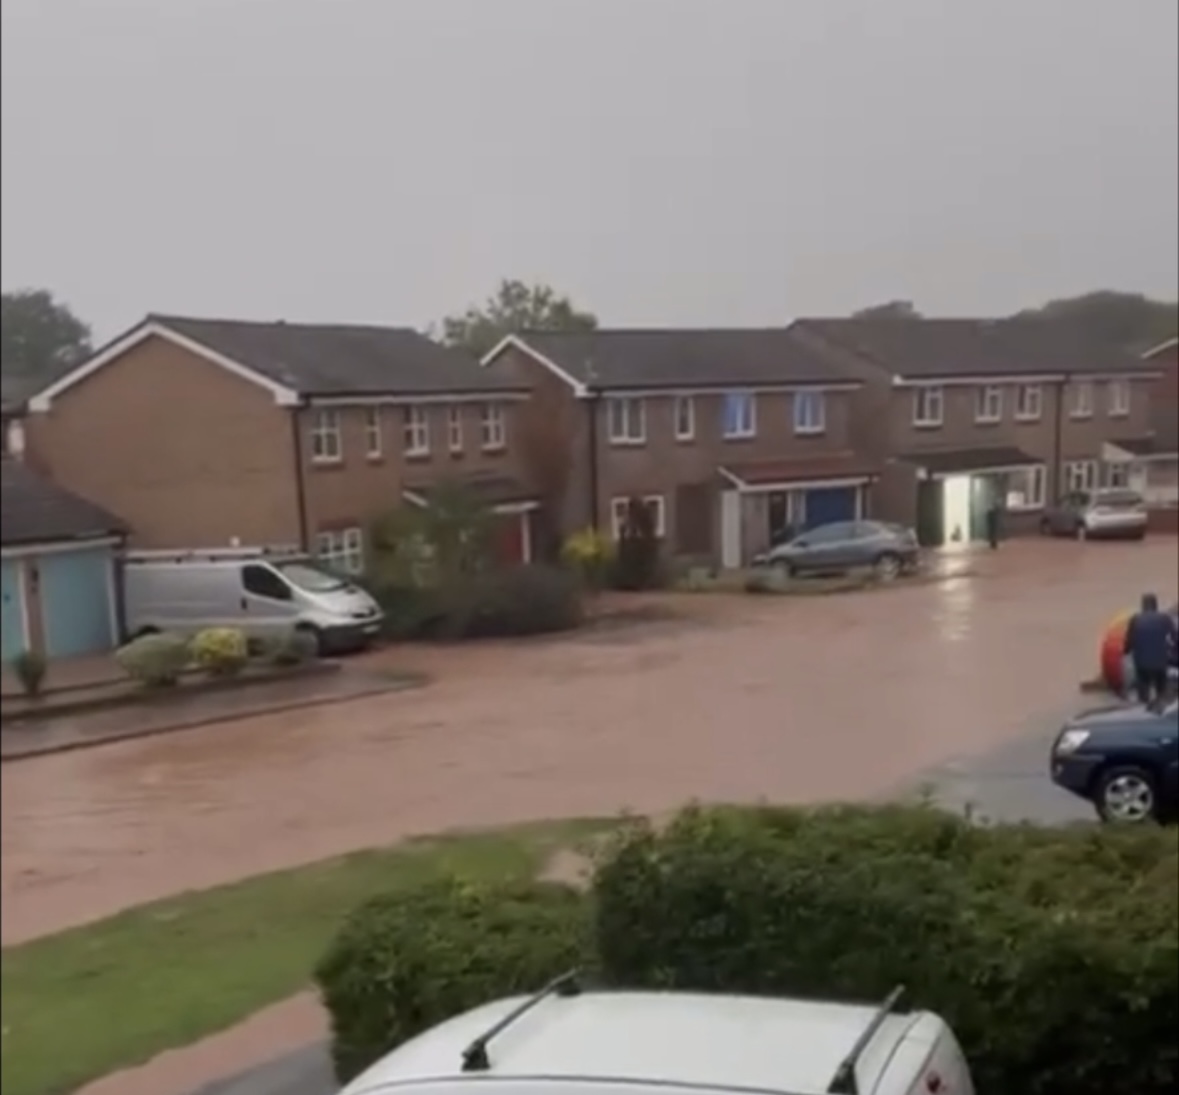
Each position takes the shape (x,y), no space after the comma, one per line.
(847,545)
(563,1041)
(262,592)
(1124,760)
(1115,512)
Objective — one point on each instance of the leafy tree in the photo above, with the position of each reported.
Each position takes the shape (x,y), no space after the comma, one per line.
(893,309)
(514,307)
(40,338)
(1107,317)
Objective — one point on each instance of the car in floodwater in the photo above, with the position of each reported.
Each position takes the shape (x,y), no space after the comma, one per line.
(1124,760)
(887,549)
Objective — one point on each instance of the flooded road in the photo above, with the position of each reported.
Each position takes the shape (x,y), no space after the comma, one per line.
(794,699)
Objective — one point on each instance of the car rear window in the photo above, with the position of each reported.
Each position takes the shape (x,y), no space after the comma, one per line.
(1117,498)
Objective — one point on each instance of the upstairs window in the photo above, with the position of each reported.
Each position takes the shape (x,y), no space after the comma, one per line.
(1081,401)
(326,444)
(1118,395)
(626,420)
(454,429)
(685,418)
(492,427)
(928,406)
(372,432)
(416,426)
(1029,402)
(988,404)
(740,415)
(810,412)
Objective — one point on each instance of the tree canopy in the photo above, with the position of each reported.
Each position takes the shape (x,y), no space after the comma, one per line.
(39,336)
(512,308)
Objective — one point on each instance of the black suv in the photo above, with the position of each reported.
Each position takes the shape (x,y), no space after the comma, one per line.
(1125,760)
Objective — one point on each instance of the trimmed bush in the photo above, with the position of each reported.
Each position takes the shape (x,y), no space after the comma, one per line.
(221,651)
(30,668)
(531,599)
(408,960)
(155,660)
(1053,953)
(296,647)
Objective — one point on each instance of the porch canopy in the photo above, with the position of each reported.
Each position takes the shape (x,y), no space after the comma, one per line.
(1136,450)
(939,463)
(499,493)
(802,473)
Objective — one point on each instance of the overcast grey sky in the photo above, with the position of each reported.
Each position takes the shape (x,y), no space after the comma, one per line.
(663,161)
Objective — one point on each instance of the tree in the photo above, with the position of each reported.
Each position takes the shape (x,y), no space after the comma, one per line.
(40,337)
(514,307)
(893,309)
(1111,318)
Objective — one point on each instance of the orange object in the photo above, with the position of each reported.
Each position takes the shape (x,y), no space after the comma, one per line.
(1112,657)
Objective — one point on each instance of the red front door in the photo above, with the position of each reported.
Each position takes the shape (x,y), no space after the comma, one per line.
(509,538)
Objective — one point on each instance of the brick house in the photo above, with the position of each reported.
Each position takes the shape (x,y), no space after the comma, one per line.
(732,437)
(203,433)
(1161,462)
(964,413)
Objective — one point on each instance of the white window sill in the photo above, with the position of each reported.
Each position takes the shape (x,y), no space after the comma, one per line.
(988,421)
(739,436)
(499,447)
(809,431)
(1029,417)
(628,442)
(1080,416)
(927,424)
(415,454)
(1119,414)
(684,437)
(326,461)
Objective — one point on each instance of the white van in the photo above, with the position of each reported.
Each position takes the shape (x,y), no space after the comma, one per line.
(563,1041)
(264,593)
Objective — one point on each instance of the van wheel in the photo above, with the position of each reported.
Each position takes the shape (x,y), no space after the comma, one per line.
(317,635)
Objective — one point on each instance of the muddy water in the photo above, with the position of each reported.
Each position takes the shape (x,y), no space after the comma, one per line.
(799,699)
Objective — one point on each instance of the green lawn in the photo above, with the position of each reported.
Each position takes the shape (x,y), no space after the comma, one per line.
(109,995)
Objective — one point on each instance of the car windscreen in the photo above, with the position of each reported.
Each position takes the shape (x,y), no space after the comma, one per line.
(310,578)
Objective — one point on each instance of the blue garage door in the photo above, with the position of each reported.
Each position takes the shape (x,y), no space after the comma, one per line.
(14,628)
(826,505)
(76,602)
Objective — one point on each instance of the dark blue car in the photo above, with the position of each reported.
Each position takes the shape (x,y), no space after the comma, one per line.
(1125,760)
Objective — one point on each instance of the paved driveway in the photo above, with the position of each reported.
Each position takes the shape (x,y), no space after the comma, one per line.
(798,699)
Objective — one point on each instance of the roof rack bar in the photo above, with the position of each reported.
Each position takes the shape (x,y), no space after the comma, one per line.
(844,1080)
(475,1057)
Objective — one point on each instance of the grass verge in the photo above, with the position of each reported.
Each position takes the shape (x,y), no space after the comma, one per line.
(109,995)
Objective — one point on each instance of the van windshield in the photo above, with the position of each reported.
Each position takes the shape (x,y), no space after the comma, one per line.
(310,578)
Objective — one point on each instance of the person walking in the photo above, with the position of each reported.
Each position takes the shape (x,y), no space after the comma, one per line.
(993,520)
(1151,636)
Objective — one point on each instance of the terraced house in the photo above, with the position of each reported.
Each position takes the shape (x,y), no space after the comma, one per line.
(963,414)
(205,433)
(731,437)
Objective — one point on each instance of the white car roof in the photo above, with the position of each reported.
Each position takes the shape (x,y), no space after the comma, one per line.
(617,1041)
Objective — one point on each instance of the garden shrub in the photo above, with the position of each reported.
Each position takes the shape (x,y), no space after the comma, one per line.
(295,647)
(220,651)
(408,960)
(155,660)
(590,554)
(1053,953)
(30,667)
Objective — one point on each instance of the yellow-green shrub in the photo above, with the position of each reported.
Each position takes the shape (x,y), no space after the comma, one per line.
(590,553)
(221,651)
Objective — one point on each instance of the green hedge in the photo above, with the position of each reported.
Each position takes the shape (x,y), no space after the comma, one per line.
(1053,953)
(406,961)
(531,599)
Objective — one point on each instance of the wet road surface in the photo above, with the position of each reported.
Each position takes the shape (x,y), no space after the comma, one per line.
(793,699)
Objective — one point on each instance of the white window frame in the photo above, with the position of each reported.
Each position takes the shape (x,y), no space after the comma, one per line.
(1029,403)
(619,507)
(373,442)
(988,404)
(626,420)
(809,412)
(1118,398)
(684,414)
(929,406)
(746,427)
(327,442)
(415,425)
(341,549)
(1081,475)
(454,428)
(1038,491)
(493,427)
(1117,473)
(1081,403)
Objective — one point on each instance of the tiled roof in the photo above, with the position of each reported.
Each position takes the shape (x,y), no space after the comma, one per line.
(332,360)
(806,469)
(33,509)
(489,489)
(934,348)
(989,458)
(686,358)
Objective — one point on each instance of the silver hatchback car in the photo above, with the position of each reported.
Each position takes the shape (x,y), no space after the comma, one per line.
(1113,512)
(887,549)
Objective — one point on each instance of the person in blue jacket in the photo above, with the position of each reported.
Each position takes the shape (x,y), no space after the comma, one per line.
(1150,643)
